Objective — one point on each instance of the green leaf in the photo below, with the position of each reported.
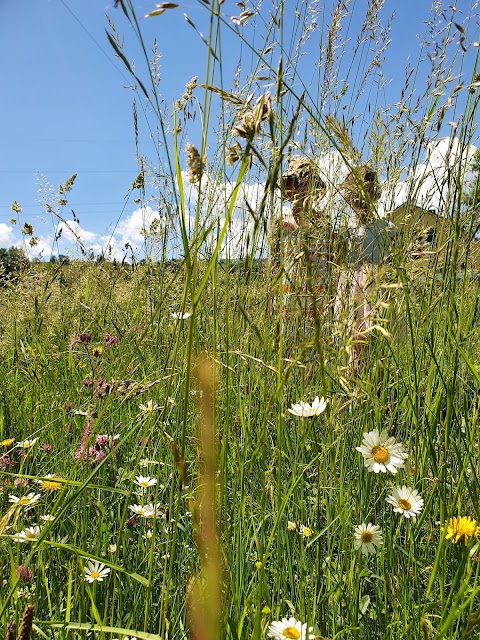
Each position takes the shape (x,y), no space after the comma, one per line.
(85,626)
(107,563)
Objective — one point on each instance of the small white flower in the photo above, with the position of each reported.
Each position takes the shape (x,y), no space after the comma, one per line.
(30,534)
(406,501)
(149,407)
(382,453)
(148,534)
(27,501)
(144,462)
(291,526)
(112,548)
(304,531)
(145,481)
(304,410)
(290,628)
(180,316)
(367,537)
(26,444)
(95,571)
(47,518)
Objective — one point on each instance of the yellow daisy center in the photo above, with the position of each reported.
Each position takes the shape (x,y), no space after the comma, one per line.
(307,531)
(380,454)
(94,575)
(143,483)
(291,632)
(366,537)
(404,504)
(30,534)
(23,501)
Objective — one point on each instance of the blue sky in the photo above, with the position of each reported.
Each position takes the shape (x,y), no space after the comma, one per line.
(65,108)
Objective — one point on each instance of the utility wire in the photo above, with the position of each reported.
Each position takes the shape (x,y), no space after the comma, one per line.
(94,40)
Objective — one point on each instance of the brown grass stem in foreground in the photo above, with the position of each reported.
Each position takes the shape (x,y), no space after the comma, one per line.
(206,590)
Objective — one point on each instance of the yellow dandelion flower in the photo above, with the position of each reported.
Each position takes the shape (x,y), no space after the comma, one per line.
(7,442)
(462,527)
(51,483)
(97,350)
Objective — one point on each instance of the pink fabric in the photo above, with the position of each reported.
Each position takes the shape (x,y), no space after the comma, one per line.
(356,297)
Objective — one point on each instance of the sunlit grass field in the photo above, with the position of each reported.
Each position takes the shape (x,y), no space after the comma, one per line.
(158,480)
(84,415)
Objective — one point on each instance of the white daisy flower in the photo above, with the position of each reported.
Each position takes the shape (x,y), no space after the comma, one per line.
(30,534)
(27,501)
(180,316)
(382,453)
(367,537)
(138,510)
(145,481)
(26,444)
(149,407)
(306,532)
(304,410)
(47,518)
(95,571)
(152,510)
(290,628)
(148,511)
(405,501)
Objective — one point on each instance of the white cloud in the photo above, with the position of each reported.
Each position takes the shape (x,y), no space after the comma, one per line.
(73,232)
(241,237)
(431,183)
(42,250)
(6,235)
(135,227)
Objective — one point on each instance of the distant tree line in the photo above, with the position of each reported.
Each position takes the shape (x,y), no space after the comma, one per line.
(12,261)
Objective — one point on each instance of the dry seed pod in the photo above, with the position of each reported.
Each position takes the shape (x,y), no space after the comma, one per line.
(26,623)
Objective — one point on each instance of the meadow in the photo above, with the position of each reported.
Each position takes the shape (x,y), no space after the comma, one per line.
(162,475)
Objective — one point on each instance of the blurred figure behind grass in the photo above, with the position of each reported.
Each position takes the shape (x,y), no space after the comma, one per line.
(301,241)
(367,242)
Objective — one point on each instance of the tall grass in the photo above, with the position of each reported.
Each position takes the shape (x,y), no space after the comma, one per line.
(256,508)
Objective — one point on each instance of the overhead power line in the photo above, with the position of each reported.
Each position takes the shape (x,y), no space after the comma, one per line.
(67,170)
(94,40)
